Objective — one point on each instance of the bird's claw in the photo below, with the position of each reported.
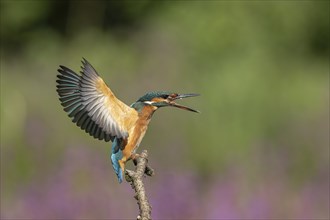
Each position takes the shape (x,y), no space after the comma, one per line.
(148,171)
(128,176)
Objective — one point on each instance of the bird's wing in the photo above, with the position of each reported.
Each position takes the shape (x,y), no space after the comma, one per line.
(92,105)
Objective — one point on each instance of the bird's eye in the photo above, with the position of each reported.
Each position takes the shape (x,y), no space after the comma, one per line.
(172,96)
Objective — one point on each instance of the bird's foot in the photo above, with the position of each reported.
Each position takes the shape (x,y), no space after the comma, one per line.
(148,171)
(134,158)
(128,175)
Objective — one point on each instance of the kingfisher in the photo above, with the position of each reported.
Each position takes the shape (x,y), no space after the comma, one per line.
(93,107)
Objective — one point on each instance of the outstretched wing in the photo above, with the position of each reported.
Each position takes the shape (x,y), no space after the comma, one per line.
(92,105)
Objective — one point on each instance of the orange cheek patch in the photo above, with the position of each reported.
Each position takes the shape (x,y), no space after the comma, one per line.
(157,100)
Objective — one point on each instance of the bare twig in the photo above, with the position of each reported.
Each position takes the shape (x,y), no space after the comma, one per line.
(135,179)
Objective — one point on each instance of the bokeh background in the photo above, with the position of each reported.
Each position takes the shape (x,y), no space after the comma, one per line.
(258,150)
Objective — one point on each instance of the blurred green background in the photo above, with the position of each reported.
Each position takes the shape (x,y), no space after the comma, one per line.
(258,150)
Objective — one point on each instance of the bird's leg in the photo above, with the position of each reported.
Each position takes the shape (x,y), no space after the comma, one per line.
(122,165)
(134,158)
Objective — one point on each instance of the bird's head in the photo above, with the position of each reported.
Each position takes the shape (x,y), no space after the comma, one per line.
(163,99)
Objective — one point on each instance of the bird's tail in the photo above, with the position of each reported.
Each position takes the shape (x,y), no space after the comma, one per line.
(116,155)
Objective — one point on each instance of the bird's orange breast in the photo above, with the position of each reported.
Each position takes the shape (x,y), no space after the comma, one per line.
(138,131)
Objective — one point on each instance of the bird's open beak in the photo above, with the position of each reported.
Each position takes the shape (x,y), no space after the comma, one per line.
(172,103)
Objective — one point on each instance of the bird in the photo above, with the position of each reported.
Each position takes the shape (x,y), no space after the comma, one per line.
(93,107)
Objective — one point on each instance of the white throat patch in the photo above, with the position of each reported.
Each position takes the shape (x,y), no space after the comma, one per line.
(149,102)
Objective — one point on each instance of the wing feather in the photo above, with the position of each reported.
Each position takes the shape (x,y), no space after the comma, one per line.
(92,105)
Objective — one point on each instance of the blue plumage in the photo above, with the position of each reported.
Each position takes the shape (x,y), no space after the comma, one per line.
(116,155)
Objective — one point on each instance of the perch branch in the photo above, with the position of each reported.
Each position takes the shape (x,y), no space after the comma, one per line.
(135,179)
